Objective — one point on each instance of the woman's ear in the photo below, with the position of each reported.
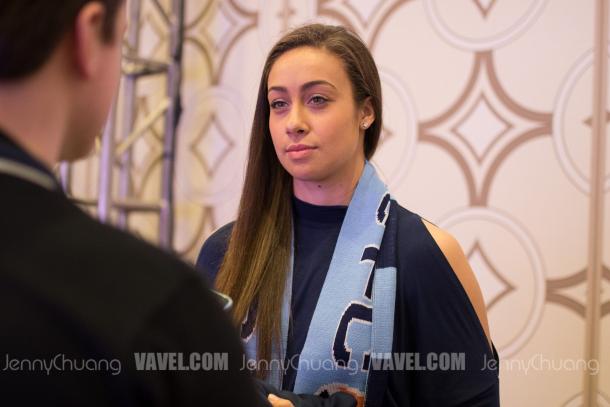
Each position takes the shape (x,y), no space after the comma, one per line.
(367,114)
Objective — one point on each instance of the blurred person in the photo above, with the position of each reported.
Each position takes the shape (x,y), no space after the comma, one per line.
(79,300)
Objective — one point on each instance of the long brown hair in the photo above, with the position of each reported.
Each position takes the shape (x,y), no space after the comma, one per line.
(255,265)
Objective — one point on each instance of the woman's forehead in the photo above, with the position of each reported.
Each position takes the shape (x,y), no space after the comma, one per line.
(306,64)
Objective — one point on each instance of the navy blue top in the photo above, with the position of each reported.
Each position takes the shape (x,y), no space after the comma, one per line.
(433,312)
(316,230)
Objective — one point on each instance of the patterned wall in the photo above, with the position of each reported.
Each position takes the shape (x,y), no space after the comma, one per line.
(488,133)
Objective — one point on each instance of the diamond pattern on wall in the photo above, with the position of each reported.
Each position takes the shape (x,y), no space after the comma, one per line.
(218,29)
(220,23)
(212,145)
(481,128)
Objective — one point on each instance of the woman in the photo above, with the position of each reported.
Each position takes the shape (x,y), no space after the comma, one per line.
(328,273)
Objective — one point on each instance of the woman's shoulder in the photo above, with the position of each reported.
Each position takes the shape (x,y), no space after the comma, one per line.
(420,237)
(213,251)
(219,238)
(422,240)
(435,262)
(413,234)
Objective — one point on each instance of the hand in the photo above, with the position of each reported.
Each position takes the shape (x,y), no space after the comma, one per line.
(278,402)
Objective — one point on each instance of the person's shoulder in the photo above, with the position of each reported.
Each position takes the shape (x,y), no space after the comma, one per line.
(111,256)
(422,237)
(106,280)
(405,216)
(69,240)
(442,261)
(213,251)
(109,245)
(218,240)
(423,242)
(420,232)
(413,235)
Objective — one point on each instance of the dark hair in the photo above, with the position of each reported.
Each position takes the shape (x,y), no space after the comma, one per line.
(31,29)
(254,267)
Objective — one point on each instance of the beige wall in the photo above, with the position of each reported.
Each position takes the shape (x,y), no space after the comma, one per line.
(488,108)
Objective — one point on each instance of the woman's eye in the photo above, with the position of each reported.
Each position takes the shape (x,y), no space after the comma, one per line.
(318,100)
(277,104)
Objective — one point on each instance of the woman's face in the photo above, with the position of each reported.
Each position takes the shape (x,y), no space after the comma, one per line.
(314,122)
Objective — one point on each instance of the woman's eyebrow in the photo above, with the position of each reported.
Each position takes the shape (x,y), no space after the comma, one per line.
(304,87)
(311,84)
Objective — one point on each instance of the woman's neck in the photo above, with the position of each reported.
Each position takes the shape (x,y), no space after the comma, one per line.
(336,190)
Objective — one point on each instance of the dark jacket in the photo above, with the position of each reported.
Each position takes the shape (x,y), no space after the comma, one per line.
(81,304)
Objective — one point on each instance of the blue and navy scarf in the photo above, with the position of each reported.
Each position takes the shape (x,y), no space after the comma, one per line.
(354,318)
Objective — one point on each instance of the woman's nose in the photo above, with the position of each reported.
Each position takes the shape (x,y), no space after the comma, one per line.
(297,123)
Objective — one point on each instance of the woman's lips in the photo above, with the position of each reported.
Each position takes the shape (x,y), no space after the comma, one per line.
(296,151)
